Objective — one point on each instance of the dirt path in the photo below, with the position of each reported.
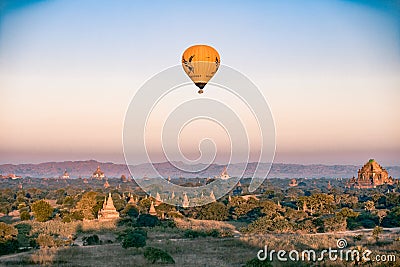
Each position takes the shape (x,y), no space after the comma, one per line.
(392,230)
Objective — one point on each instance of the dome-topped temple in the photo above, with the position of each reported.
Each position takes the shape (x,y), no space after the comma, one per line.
(98,174)
(371,175)
(108,212)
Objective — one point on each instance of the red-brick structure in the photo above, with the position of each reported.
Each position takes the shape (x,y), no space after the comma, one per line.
(371,175)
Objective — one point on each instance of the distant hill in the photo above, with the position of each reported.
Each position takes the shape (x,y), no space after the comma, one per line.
(86,168)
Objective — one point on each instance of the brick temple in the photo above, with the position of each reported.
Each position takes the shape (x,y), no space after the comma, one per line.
(371,175)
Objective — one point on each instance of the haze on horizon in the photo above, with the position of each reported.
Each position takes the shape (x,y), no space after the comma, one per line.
(329,70)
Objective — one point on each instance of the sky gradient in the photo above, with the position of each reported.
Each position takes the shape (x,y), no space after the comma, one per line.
(329,70)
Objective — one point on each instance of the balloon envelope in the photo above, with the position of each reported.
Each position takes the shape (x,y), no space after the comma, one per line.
(200,63)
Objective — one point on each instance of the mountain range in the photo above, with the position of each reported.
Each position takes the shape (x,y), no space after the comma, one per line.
(278,170)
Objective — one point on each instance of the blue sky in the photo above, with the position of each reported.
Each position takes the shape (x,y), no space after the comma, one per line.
(329,70)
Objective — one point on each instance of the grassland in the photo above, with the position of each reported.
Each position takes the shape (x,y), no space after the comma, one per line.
(203,251)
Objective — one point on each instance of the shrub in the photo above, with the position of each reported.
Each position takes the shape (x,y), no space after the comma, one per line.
(129,231)
(131,211)
(154,255)
(66,219)
(265,224)
(168,223)
(126,221)
(44,240)
(147,220)
(376,232)
(8,238)
(335,223)
(25,216)
(213,211)
(133,240)
(214,233)
(23,237)
(42,210)
(257,263)
(91,240)
(87,205)
(77,215)
(140,232)
(194,234)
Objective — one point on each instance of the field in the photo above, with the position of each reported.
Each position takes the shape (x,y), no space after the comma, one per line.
(201,251)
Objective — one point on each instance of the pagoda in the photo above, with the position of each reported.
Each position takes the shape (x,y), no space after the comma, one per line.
(371,175)
(65,175)
(212,196)
(186,201)
(108,212)
(152,210)
(98,174)
(224,175)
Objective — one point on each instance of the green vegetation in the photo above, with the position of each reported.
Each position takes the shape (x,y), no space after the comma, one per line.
(133,239)
(42,210)
(51,223)
(257,263)
(8,238)
(154,255)
(196,233)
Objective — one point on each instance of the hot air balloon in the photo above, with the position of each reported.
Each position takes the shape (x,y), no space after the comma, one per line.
(200,63)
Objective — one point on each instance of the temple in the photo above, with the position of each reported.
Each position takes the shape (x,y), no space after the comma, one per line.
(293,183)
(106,184)
(108,212)
(186,201)
(371,175)
(152,210)
(224,175)
(65,175)
(98,174)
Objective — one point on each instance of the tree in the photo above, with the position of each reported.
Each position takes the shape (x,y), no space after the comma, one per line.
(45,240)
(119,203)
(213,211)
(266,224)
(69,202)
(322,203)
(381,215)
(376,232)
(347,213)
(369,205)
(8,238)
(241,208)
(24,237)
(133,240)
(335,223)
(271,209)
(164,209)
(147,220)
(86,205)
(130,211)
(144,205)
(42,210)
(77,215)
(393,218)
